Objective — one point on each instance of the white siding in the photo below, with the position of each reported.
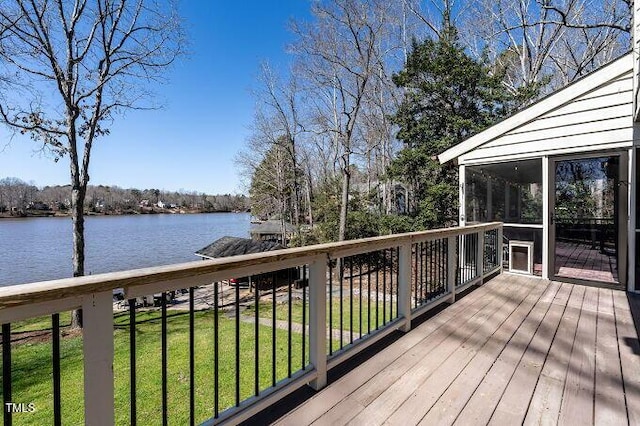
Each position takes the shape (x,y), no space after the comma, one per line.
(599,119)
(636,58)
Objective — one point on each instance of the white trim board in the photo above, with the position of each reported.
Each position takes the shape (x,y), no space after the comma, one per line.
(549,152)
(603,75)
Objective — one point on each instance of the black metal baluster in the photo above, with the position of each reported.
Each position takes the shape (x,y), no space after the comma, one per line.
(256,338)
(427,271)
(237,345)
(384,287)
(351,299)
(447,256)
(472,258)
(432,272)
(163,332)
(456,259)
(340,272)
(433,261)
(476,267)
(398,282)
(6,372)
(132,361)
(273,330)
(377,290)
(55,346)
(216,357)
(428,288)
(368,293)
(289,325)
(360,294)
(465,259)
(192,358)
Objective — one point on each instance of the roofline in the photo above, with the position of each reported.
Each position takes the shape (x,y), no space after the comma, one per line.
(555,99)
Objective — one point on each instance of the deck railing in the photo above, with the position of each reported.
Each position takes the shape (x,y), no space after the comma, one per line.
(257,326)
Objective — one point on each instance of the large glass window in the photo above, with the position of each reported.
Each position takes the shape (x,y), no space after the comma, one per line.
(509,192)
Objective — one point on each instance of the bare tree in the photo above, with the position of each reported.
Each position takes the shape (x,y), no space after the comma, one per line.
(71,67)
(279,121)
(545,42)
(338,54)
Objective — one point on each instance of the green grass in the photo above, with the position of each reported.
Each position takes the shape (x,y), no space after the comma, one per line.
(31,368)
(40,323)
(368,308)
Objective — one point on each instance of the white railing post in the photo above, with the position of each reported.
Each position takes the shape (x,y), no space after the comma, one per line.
(404,285)
(97,338)
(451,267)
(480,256)
(318,320)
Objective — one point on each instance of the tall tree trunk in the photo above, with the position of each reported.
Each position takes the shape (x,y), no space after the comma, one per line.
(344,206)
(296,185)
(77,219)
(309,199)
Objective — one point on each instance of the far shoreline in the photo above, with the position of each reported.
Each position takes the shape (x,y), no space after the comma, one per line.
(145,211)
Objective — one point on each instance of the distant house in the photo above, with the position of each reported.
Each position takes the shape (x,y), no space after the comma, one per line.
(161,205)
(271,230)
(38,205)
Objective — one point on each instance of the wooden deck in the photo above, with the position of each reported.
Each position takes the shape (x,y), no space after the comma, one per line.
(585,262)
(518,350)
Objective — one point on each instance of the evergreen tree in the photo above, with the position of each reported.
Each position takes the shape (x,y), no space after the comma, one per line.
(448,98)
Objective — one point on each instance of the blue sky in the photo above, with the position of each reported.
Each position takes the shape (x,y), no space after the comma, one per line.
(190,144)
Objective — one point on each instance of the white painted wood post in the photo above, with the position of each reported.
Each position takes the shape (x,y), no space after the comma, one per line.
(451,267)
(97,337)
(404,286)
(318,320)
(480,256)
(546,218)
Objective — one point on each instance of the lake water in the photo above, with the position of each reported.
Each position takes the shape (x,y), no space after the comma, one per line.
(37,249)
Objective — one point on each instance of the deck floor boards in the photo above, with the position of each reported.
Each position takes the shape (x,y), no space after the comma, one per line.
(517,350)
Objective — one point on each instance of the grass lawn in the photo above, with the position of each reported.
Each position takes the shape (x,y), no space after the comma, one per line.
(367,315)
(32,382)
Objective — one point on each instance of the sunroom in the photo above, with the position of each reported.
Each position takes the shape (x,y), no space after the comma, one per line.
(561,175)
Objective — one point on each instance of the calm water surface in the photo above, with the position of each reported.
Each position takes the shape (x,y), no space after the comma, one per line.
(37,249)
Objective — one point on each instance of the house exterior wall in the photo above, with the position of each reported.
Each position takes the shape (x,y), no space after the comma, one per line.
(599,119)
(636,59)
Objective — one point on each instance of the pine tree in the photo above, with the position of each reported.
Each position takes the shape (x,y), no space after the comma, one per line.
(449,97)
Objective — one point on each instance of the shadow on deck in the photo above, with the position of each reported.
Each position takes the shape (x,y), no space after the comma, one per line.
(516,350)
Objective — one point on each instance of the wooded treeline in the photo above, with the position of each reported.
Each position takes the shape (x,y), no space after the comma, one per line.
(345,136)
(18,197)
